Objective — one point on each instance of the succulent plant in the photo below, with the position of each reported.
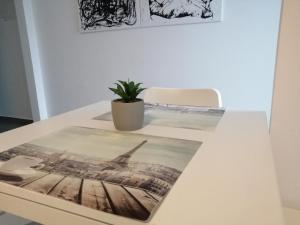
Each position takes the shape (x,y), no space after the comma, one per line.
(127,90)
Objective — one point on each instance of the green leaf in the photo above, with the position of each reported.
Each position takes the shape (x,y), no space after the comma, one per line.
(115,91)
(124,83)
(140,90)
(121,90)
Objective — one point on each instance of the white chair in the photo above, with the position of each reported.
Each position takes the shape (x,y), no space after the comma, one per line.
(180,96)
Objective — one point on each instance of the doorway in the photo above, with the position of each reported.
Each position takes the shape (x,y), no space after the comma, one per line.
(15,108)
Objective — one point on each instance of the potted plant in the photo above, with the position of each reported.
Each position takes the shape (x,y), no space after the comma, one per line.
(128,110)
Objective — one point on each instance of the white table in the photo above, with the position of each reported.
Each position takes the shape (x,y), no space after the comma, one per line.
(230,181)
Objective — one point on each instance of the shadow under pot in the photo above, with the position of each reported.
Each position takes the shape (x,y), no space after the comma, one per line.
(128,116)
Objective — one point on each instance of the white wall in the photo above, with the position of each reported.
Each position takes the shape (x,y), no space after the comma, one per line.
(285,123)
(14,100)
(236,56)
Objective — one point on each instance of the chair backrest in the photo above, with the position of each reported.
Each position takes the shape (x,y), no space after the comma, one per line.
(180,96)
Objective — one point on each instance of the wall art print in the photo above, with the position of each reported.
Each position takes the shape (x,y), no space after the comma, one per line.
(101,15)
(107,14)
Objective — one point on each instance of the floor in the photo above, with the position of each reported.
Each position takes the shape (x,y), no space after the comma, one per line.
(8,219)
(7,124)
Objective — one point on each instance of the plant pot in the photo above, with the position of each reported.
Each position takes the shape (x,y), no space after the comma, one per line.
(128,116)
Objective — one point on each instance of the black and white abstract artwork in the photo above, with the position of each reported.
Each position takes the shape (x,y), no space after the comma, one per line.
(166,12)
(99,15)
(106,14)
(179,9)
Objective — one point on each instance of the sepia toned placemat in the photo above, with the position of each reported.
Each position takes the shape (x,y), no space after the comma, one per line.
(188,117)
(119,173)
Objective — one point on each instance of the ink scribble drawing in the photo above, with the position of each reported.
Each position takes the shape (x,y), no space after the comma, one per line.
(103,14)
(170,9)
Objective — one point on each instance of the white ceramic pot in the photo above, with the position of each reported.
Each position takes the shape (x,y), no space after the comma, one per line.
(128,116)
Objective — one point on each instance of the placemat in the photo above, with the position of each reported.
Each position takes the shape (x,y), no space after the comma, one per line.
(119,173)
(189,117)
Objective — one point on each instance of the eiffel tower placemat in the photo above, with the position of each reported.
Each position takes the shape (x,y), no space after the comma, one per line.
(119,173)
(188,117)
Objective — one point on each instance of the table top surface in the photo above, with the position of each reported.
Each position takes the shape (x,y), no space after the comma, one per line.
(231,179)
